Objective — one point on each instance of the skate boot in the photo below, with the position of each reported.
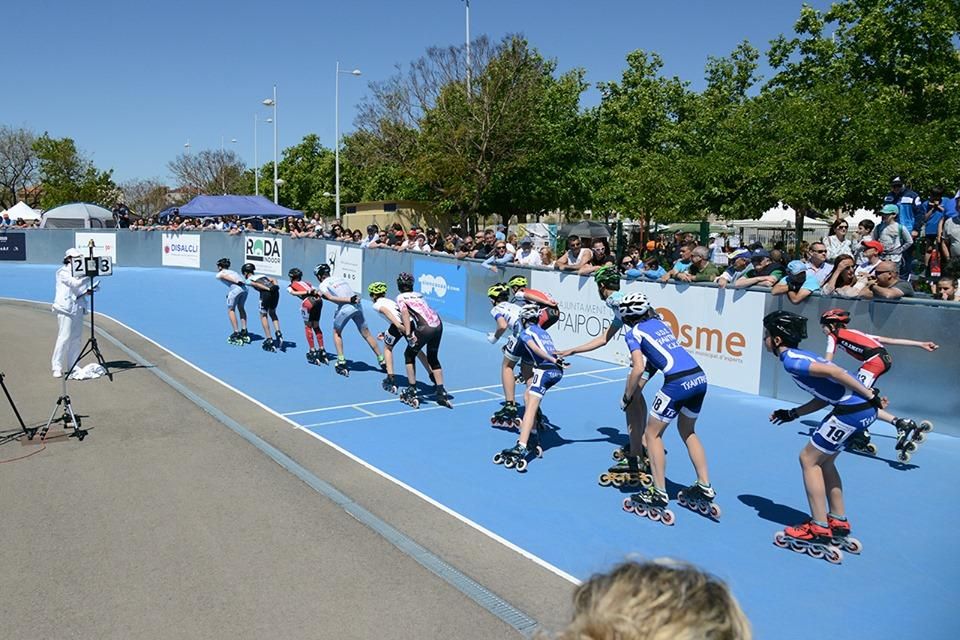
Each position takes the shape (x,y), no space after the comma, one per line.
(278,340)
(442,398)
(628,472)
(341,368)
(321,356)
(245,336)
(389,385)
(650,503)
(906,440)
(235,339)
(840,529)
(409,396)
(699,498)
(810,538)
(507,416)
(859,442)
(514,458)
(269,345)
(382,363)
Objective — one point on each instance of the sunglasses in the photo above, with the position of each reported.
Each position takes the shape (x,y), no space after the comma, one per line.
(818,250)
(844,227)
(880,273)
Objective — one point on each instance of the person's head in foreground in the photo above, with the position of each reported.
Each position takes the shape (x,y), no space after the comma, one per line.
(658,600)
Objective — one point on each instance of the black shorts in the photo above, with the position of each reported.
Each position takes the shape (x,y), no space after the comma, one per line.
(269,300)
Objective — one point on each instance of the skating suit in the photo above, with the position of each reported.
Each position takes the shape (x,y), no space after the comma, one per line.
(514,350)
(550,313)
(311,305)
(545,372)
(684,382)
(865,348)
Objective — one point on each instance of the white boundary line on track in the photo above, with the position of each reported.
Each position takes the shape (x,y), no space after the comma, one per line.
(370,414)
(462,518)
(485,388)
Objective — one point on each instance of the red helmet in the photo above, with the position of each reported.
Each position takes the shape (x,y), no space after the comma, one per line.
(840,316)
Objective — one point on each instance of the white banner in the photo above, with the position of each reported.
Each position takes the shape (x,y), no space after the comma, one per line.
(265,252)
(105,244)
(347,263)
(180,250)
(721,329)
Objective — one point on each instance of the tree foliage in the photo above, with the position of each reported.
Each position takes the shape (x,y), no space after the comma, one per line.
(18,167)
(67,176)
(209,171)
(145,197)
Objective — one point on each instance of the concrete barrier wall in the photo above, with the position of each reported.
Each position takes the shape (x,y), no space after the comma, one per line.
(722,328)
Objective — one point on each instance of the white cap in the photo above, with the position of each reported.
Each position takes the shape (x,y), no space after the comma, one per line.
(73,253)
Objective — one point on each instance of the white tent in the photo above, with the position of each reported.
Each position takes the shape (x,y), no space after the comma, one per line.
(78,215)
(779,217)
(22,211)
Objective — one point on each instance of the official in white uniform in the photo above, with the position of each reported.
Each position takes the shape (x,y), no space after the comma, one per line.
(69,304)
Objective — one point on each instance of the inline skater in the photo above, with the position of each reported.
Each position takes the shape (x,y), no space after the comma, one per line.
(854,408)
(633,462)
(389,310)
(507,316)
(269,299)
(310,308)
(522,294)
(423,328)
(236,297)
(874,361)
(339,292)
(653,347)
(547,372)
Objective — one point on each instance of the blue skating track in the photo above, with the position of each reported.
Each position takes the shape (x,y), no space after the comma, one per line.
(903,585)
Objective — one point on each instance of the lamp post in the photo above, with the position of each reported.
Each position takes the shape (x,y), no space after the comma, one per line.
(272,102)
(467,3)
(186,147)
(256,160)
(223,165)
(336,142)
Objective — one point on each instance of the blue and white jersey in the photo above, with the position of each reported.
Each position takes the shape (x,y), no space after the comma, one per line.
(797,363)
(614,303)
(533,334)
(660,347)
(510,312)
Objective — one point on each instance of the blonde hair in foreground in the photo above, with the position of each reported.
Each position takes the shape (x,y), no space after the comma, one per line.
(659,600)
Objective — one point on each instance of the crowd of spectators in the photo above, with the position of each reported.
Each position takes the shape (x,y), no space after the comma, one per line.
(19,223)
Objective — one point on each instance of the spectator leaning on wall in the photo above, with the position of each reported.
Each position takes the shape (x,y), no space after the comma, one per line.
(739,269)
(798,284)
(600,257)
(683,262)
(909,214)
(817,263)
(574,257)
(527,256)
(895,238)
(701,269)
(947,289)
(888,285)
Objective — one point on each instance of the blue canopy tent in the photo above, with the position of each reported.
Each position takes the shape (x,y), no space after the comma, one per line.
(244,206)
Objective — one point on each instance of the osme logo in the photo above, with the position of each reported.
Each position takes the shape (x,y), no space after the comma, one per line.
(435,285)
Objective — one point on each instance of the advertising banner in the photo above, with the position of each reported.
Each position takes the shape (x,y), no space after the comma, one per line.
(443,285)
(105,244)
(347,263)
(266,254)
(720,328)
(13,246)
(180,250)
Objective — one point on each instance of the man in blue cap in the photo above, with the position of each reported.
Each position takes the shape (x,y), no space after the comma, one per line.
(895,238)
(909,214)
(798,284)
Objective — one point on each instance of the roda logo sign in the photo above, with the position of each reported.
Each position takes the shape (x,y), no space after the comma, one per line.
(263,250)
(704,339)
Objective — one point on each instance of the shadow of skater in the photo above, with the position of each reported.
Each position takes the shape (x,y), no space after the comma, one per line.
(770,510)
(615,436)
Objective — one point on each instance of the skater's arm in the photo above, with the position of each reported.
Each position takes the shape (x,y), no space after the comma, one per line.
(928,346)
(635,380)
(781,416)
(405,318)
(841,376)
(540,351)
(259,286)
(596,343)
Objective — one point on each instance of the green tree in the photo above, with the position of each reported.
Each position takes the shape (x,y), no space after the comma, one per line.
(307,171)
(210,171)
(67,176)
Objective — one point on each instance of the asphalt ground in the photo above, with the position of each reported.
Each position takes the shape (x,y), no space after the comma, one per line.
(164,523)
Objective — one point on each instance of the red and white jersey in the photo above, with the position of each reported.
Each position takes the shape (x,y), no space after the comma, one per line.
(858,344)
(523,296)
(299,288)
(418,308)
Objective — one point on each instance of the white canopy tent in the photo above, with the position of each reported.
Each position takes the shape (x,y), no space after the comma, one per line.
(22,211)
(779,217)
(78,215)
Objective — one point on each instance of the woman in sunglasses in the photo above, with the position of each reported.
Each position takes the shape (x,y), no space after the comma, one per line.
(836,241)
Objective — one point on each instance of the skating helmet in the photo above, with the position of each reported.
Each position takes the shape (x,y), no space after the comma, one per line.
(790,327)
(518,281)
(294,274)
(530,313)
(497,291)
(377,288)
(634,305)
(405,282)
(247,268)
(322,270)
(223,263)
(607,277)
(838,316)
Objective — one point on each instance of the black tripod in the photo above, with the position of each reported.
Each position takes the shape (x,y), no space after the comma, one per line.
(7,437)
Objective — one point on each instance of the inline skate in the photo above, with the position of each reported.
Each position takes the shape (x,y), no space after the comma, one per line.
(235,339)
(441,396)
(516,457)
(278,341)
(859,442)
(699,498)
(508,416)
(269,345)
(631,471)
(840,529)
(409,396)
(810,538)
(389,385)
(341,368)
(650,503)
(910,436)
(382,363)
(317,357)
(245,336)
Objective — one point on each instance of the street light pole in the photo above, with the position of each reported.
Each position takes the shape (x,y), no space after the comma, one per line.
(336,135)
(256,165)
(273,103)
(469,91)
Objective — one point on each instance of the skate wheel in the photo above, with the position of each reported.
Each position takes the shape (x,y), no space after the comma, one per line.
(668,518)
(494,423)
(654,515)
(926,425)
(903,456)
(641,511)
(616,481)
(796,545)
(703,508)
(604,480)
(853,545)
(681,499)
(521,466)
(919,437)
(646,481)
(910,446)
(618,455)
(833,555)
(516,423)
(871,449)
(497,459)
(509,463)
(633,482)
(816,552)
(416,404)
(628,505)
(715,512)
(780,540)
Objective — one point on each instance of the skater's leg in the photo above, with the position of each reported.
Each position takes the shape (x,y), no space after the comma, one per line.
(433,356)
(265,323)
(686,425)
(319,334)
(388,358)
(308,333)
(834,487)
(508,380)
(371,340)
(422,357)
(655,450)
(338,343)
(233,320)
(636,415)
(811,461)
(532,404)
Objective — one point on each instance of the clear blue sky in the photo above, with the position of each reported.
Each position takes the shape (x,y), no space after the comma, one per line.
(131,81)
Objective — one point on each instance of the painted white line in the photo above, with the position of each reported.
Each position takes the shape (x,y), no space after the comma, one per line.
(362,410)
(492,393)
(433,407)
(383,474)
(485,388)
(604,378)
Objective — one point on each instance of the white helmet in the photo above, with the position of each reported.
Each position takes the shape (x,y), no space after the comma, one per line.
(530,312)
(634,305)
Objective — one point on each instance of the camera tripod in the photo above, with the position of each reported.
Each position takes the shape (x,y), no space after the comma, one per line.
(7,437)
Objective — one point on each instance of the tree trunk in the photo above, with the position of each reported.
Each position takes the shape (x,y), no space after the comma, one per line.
(798,225)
